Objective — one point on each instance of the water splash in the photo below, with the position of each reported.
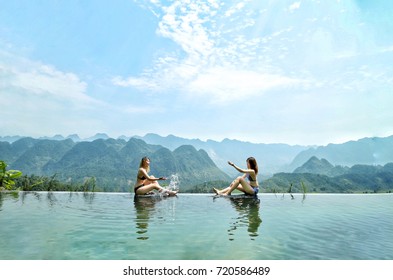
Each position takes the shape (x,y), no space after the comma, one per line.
(174,183)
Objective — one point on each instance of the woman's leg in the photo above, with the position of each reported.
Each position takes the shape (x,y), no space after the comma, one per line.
(170,192)
(147,188)
(233,186)
(229,189)
(245,187)
(153,186)
(223,190)
(241,184)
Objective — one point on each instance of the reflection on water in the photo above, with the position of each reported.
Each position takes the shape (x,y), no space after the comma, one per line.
(3,195)
(51,196)
(89,197)
(25,195)
(248,216)
(115,226)
(144,209)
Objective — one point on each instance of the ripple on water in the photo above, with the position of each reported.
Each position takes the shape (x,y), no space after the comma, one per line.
(114,226)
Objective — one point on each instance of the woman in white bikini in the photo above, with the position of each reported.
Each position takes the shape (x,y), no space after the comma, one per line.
(146,183)
(249,186)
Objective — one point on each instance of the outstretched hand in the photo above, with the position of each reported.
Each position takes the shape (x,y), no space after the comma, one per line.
(162,178)
(231,163)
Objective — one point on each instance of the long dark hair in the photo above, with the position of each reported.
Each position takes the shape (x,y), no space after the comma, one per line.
(143,163)
(253,164)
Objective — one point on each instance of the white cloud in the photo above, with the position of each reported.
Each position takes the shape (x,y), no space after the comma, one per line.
(281,51)
(222,85)
(38,99)
(387,49)
(184,24)
(37,79)
(309,62)
(294,6)
(237,7)
(140,83)
(47,80)
(218,61)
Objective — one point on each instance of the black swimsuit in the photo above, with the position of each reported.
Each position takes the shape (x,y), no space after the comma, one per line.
(250,179)
(255,188)
(140,186)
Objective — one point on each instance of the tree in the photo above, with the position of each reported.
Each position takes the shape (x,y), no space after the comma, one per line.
(7,177)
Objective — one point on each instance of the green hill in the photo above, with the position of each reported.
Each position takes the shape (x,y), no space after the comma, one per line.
(113,163)
(321,176)
(368,151)
(321,166)
(34,159)
(271,157)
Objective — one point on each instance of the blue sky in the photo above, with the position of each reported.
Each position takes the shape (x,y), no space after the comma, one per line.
(295,72)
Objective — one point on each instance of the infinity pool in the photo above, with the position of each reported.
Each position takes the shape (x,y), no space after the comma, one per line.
(92,226)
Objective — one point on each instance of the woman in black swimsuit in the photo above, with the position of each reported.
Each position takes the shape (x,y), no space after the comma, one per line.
(249,186)
(146,183)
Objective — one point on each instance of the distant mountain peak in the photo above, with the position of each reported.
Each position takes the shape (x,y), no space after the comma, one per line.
(74,137)
(57,137)
(314,165)
(101,135)
(316,162)
(98,136)
(320,166)
(369,151)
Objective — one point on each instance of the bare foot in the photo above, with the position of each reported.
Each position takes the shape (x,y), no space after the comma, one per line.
(172,193)
(168,192)
(216,191)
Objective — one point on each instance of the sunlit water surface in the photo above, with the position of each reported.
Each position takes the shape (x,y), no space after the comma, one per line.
(116,226)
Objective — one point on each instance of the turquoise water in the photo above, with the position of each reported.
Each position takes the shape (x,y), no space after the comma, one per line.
(113,226)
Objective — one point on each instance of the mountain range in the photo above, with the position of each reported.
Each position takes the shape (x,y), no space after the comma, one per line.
(197,161)
(319,175)
(114,163)
(369,151)
(271,158)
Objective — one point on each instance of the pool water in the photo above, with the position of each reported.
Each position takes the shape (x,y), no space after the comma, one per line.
(94,226)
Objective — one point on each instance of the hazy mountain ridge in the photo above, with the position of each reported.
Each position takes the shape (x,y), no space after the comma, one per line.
(319,175)
(276,158)
(324,167)
(113,163)
(321,166)
(271,158)
(369,151)
(356,165)
(59,137)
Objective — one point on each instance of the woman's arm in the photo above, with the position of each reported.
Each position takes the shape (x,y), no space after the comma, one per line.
(240,169)
(156,179)
(150,178)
